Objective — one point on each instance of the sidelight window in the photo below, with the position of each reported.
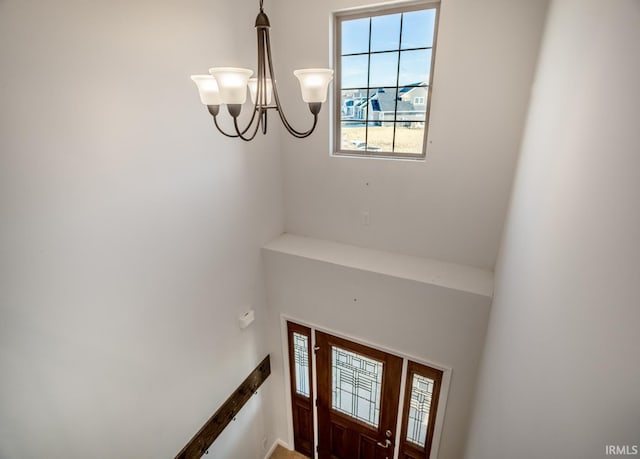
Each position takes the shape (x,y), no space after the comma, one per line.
(421,404)
(301,359)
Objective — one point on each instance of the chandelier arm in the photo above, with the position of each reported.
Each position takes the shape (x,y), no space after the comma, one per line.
(302,135)
(262,70)
(257,107)
(287,125)
(264,122)
(233,136)
(215,121)
(241,134)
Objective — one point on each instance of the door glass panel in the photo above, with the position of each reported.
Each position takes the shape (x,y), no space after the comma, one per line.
(301,358)
(356,385)
(420,405)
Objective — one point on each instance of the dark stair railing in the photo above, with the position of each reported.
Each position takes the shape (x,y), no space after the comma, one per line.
(212,429)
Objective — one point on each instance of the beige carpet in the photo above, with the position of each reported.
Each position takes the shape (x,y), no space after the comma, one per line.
(281,453)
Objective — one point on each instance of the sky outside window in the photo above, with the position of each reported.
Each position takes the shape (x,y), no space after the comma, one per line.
(382,33)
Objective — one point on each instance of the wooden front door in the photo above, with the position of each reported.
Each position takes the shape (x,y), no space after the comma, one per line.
(358,395)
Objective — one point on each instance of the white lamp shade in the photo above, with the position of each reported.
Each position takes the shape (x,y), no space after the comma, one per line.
(253,89)
(208,89)
(314,83)
(232,83)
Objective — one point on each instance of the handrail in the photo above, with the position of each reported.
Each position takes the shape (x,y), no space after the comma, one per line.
(212,429)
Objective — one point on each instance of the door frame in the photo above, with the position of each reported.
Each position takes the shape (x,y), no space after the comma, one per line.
(444,390)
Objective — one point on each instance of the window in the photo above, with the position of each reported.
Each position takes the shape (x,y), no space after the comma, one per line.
(301,374)
(384,61)
(420,407)
(356,385)
(301,363)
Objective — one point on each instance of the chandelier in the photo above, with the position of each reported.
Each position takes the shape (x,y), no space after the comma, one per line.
(228,86)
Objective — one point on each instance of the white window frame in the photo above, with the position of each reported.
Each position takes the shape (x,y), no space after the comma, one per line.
(372,11)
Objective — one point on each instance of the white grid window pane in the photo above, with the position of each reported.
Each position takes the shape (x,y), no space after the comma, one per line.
(418,29)
(356,385)
(383,69)
(419,407)
(385,32)
(301,360)
(415,67)
(355,36)
(354,71)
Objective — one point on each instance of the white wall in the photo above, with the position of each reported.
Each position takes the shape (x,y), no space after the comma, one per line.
(431,323)
(450,207)
(560,375)
(129,230)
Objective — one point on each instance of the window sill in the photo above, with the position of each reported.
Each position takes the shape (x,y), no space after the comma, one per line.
(413,159)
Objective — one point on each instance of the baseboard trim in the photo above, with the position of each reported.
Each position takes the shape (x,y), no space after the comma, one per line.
(274,446)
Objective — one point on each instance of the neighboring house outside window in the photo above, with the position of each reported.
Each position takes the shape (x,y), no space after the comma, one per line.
(384,63)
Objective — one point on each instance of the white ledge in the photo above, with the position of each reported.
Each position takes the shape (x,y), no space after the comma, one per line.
(457,277)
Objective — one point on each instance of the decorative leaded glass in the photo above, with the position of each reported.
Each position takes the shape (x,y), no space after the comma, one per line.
(419,407)
(301,358)
(356,385)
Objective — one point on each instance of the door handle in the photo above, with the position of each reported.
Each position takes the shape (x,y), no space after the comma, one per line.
(386,443)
